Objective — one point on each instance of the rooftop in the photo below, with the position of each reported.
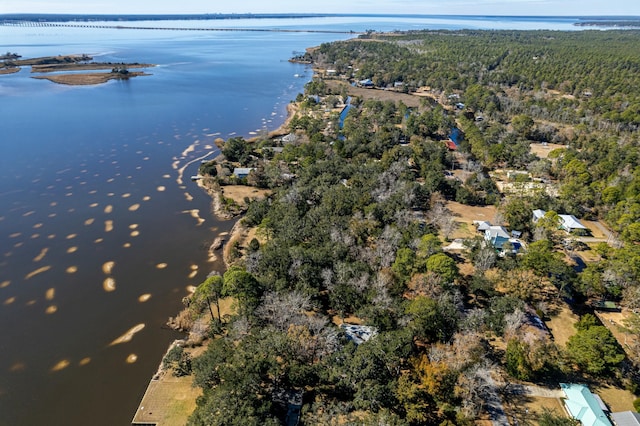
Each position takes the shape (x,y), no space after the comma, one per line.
(584,406)
(569,221)
(626,418)
(359,333)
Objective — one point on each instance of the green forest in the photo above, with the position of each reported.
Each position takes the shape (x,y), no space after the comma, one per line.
(350,306)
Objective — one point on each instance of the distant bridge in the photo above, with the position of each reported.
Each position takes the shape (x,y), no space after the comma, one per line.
(19,23)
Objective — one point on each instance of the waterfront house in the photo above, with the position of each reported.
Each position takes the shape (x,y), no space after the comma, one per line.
(242,172)
(289,139)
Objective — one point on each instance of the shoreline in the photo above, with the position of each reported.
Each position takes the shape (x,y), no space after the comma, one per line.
(283,129)
(216,191)
(222,243)
(71,64)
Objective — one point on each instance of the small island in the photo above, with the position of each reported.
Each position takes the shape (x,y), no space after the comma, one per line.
(11,63)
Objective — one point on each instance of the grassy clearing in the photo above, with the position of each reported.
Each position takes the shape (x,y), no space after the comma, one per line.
(617,399)
(526,410)
(542,151)
(561,325)
(168,401)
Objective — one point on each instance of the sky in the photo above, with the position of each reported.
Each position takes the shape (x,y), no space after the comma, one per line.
(427,7)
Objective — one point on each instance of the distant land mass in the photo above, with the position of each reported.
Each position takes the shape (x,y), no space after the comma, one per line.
(623,23)
(587,20)
(173,17)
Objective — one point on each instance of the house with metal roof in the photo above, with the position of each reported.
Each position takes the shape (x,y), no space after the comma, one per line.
(571,223)
(359,333)
(242,172)
(482,225)
(626,418)
(584,406)
(496,235)
(568,222)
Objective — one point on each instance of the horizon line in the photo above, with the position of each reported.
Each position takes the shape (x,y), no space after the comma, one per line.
(307,14)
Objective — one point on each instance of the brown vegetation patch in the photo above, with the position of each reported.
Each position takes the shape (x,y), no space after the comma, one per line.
(465,215)
(168,400)
(468,214)
(543,150)
(87,79)
(597,228)
(617,399)
(561,325)
(11,70)
(378,94)
(526,409)
(239,192)
(466,268)
(338,320)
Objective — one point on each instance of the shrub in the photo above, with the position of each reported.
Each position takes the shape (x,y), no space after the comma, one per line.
(178,360)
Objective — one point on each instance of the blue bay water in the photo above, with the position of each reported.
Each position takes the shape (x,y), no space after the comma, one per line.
(99,235)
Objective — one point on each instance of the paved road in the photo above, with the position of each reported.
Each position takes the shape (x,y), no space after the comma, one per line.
(609,237)
(533,390)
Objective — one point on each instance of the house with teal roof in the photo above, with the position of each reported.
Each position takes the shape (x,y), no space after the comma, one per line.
(584,406)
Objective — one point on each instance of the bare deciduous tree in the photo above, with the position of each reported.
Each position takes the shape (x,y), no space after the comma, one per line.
(282,310)
(387,245)
(390,182)
(441,217)
(476,387)
(513,322)
(474,320)
(428,284)
(381,284)
(485,258)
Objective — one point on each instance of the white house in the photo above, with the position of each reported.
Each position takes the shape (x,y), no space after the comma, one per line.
(568,222)
(482,225)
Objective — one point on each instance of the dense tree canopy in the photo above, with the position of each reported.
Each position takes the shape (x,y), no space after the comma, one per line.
(353,230)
